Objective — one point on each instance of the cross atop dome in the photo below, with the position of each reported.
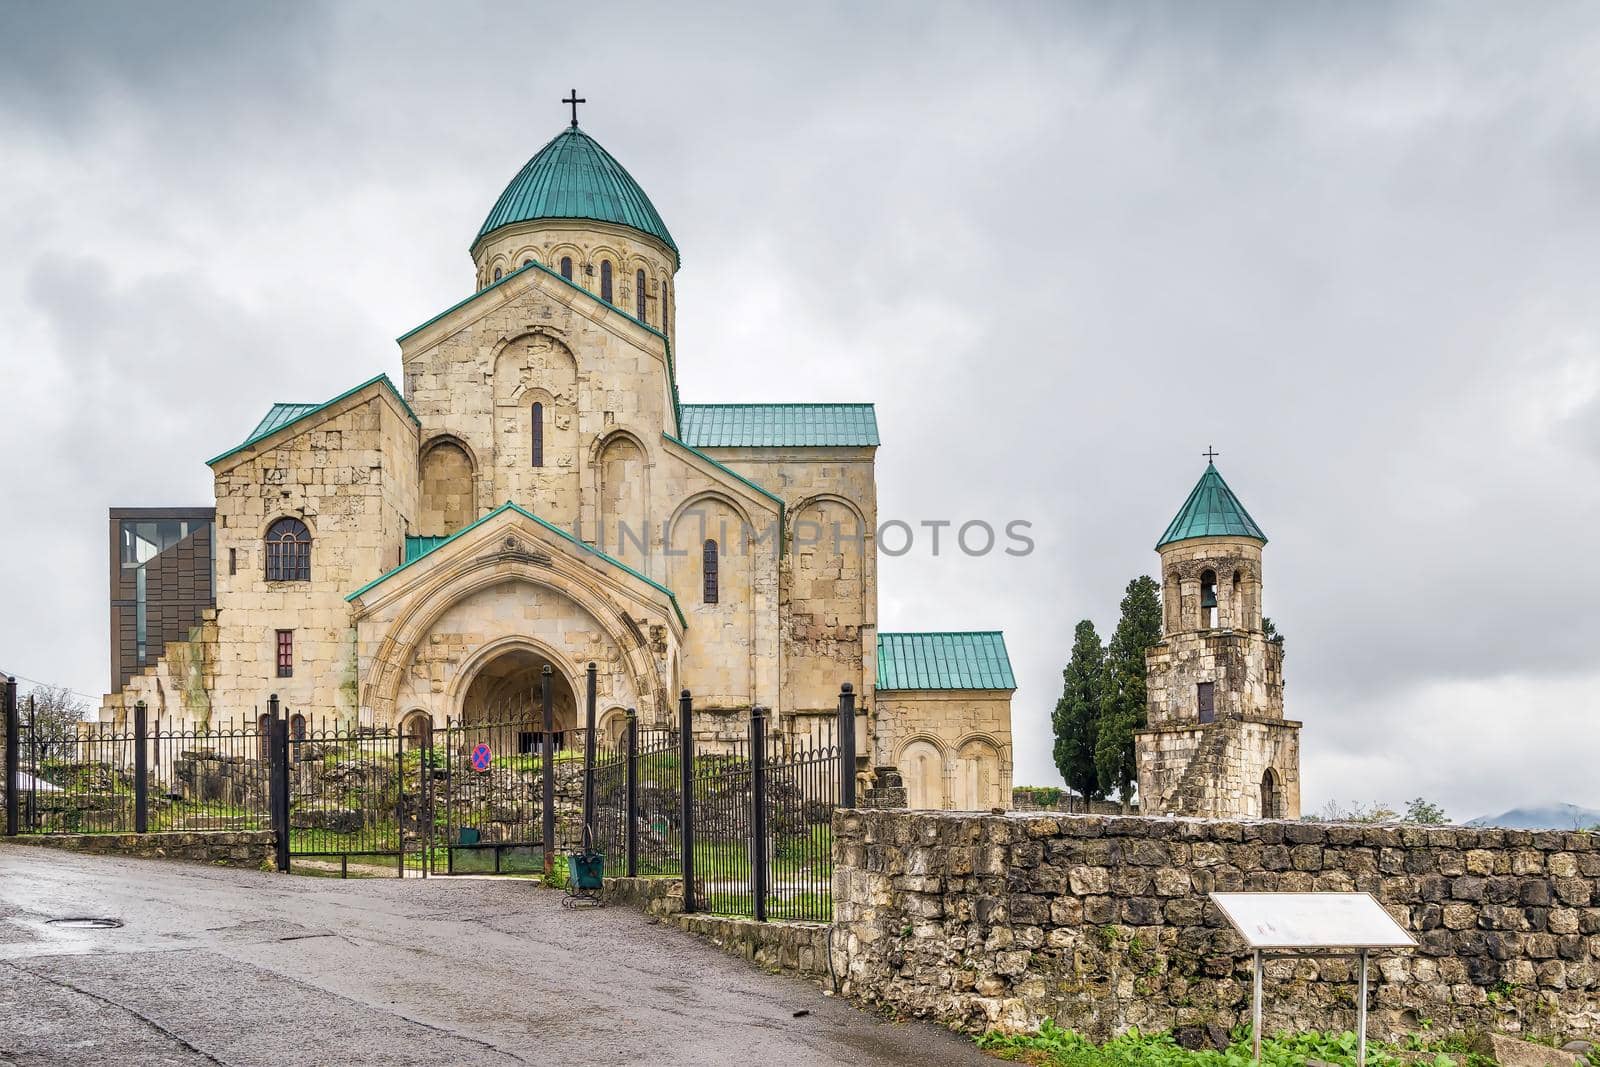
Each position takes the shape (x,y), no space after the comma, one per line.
(574,99)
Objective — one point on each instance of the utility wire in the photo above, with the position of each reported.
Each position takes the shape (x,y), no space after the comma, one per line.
(49,685)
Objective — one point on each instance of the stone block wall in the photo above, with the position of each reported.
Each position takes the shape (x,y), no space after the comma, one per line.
(1103,923)
(221,848)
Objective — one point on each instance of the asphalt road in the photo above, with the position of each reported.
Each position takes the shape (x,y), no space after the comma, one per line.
(240,967)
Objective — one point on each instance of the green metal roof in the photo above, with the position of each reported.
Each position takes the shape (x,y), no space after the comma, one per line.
(975,660)
(281,415)
(572,177)
(417,547)
(1211,511)
(423,550)
(778,425)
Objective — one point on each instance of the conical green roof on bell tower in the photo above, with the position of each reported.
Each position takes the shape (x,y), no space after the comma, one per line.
(1211,511)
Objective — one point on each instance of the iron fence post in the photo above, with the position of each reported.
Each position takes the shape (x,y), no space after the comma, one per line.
(758,811)
(589,814)
(547,752)
(31,816)
(847,745)
(686,795)
(278,779)
(13,772)
(141,771)
(631,795)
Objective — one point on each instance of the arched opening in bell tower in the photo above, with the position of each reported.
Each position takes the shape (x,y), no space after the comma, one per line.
(1208,600)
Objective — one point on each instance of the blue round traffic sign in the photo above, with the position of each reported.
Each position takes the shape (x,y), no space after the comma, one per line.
(481,758)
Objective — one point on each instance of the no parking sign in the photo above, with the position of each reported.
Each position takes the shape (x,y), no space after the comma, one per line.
(481,758)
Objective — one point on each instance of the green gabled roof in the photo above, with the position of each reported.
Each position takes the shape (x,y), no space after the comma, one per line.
(1211,511)
(967,660)
(424,550)
(281,415)
(572,177)
(778,425)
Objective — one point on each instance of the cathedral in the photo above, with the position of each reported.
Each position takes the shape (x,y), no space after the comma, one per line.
(1216,743)
(535,493)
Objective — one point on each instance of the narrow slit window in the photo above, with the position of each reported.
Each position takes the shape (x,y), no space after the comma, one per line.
(638,296)
(566,267)
(605,280)
(708,562)
(537,442)
(285,653)
(233,561)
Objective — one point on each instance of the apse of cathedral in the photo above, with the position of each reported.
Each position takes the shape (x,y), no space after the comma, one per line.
(535,493)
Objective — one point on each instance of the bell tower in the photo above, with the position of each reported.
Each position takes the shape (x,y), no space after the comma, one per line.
(1216,743)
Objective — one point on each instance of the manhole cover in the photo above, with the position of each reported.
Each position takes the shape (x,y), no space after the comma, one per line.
(86,923)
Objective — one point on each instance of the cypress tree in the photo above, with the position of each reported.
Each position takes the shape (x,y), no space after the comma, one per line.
(1122,709)
(1077,715)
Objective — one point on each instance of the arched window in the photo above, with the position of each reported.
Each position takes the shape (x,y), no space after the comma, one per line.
(497,274)
(1208,600)
(638,296)
(708,563)
(264,737)
(605,280)
(297,727)
(527,263)
(663,304)
(566,267)
(537,441)
(288,551)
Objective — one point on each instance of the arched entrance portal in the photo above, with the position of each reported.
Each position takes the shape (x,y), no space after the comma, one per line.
(505,696)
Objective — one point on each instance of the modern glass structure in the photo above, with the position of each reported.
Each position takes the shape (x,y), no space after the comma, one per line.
(161,582)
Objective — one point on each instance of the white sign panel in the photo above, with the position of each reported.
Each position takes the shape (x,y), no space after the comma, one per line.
(1312,921)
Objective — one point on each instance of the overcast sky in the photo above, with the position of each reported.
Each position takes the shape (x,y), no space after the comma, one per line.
(1064,248)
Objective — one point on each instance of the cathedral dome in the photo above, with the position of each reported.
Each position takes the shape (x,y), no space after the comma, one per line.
(572,177)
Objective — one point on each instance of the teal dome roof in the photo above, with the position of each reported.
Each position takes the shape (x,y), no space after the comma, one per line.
(1211,511)
(572,177)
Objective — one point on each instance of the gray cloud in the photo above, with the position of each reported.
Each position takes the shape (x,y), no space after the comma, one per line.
(1064,248)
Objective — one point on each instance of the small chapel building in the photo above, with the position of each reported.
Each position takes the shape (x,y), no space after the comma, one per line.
(536,493)
(1216,743)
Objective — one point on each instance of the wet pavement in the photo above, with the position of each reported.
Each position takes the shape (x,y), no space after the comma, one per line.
(240,967)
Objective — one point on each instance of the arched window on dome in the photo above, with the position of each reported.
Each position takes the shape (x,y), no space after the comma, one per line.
(288,551)
(605,280)
(537,442)
(664,319)
(708,565)
(497,274)
(638,296)
(566,267)
(527,263)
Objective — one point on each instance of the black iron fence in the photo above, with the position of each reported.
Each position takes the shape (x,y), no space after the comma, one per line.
(744,820)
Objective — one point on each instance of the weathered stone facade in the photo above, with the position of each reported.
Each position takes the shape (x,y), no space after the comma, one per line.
(953,747)
(1102,923)
(220,848)
(529,499)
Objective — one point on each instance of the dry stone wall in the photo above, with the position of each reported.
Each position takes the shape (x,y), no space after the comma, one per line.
(1103,923)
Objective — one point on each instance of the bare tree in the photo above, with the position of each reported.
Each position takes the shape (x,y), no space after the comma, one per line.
(56,712)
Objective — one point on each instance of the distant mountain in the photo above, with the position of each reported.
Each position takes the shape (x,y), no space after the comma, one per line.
(1542,817)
